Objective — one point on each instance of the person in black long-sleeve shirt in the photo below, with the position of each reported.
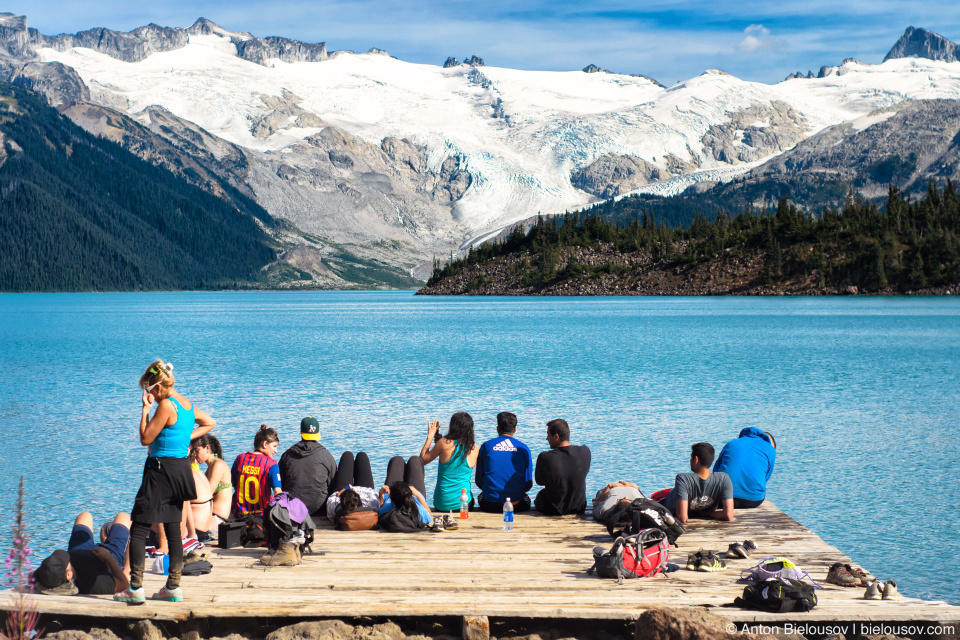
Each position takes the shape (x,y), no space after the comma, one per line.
(563,473)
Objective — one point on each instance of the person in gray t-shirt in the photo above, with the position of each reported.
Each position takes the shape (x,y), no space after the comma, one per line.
(701,493)
(608,497)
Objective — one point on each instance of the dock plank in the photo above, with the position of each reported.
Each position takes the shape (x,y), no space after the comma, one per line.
(536,571)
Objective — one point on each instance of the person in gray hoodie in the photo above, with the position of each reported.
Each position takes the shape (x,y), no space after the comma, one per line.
(307,468)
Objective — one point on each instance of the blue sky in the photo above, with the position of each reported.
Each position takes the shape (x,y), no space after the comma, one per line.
(670,41)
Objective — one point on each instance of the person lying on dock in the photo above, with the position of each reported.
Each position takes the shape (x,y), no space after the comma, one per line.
(613,495)
(700,493)
(504,468)
(748,461)
(87,567)
(352,492)
(403,507)
(562,471)
(307,468)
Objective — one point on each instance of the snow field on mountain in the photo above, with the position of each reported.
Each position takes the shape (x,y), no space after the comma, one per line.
(554,122)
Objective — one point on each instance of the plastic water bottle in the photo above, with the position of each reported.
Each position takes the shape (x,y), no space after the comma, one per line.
(508,515)
(464,505)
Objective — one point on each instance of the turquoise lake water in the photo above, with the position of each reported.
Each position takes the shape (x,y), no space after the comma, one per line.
(861,393)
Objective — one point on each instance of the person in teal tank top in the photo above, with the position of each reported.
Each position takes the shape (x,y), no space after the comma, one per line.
(167,481)
(457,455)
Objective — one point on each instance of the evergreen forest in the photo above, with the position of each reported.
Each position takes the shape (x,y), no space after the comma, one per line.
(899,245)
(79,213)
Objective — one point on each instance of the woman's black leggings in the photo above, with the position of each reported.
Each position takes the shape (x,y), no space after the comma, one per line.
(352,471)
(138,553)
(410,472)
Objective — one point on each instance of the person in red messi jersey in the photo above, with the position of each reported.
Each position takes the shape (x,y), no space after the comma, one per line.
(256,475)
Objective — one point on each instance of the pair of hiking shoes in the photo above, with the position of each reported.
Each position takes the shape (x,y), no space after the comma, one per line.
(877,590)
(705,561)
(445,522)
(741,549)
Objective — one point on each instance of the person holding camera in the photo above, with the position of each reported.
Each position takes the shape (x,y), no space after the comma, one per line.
(457,456)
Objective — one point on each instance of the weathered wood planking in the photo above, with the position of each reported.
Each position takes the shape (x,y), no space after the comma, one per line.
(536,571)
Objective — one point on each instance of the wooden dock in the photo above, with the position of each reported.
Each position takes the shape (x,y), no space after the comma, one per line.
(536,571)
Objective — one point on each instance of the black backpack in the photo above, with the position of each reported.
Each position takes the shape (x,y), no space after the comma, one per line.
(778,595)
(401,521)
(641,514)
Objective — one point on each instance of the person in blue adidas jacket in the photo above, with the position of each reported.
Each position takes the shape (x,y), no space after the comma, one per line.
(504,468)
(748,461)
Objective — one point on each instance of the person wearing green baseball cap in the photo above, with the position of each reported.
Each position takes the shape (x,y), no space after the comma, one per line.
(308,468)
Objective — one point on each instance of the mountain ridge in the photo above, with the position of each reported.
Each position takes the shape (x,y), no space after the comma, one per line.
(404,162)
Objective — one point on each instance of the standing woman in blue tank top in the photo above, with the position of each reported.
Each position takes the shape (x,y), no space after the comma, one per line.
(167,477)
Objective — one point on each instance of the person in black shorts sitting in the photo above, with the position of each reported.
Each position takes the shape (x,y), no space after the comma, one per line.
(88,567)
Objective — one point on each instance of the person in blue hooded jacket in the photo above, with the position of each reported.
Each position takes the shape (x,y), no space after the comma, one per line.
(748,461)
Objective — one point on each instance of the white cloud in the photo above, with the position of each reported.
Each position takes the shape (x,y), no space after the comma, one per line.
(757,38)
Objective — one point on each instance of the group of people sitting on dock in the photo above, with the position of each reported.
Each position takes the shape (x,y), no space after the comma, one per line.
(176,500)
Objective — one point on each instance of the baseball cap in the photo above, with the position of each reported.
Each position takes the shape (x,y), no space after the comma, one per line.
(309,428)
(51,577)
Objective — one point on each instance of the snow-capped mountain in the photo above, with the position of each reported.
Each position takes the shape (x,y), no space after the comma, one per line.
(409,160)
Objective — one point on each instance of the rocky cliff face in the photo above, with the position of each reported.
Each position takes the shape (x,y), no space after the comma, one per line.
(58,83)
(132,46)
(260,50)
(920,43)
(612,175)
(751,134)
(907,144)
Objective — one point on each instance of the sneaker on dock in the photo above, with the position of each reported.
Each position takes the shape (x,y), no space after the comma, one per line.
(737,550)
(711,562)
(168,595)
(694,560)
(450,523)
(890,591)
(131,596)
(437,525)
(837,574)
(750,546)
(874,591)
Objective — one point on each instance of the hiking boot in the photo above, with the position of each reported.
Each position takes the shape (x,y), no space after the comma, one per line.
(857,572)
(711,562)
(287,555)
(890,591)
(873,591)
(168,595)
(737,550)
(838,575)
(450,523)
(131,596)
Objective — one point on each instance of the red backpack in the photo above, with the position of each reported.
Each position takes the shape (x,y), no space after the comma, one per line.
(641,556)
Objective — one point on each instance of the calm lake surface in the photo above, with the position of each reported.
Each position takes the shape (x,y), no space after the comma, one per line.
(862,395)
